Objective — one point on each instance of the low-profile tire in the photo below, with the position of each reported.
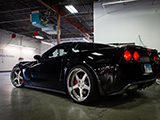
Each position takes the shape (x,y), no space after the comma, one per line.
(16,77)
(82,85)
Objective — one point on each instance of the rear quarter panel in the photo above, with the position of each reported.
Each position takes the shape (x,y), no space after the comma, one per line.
(97,60)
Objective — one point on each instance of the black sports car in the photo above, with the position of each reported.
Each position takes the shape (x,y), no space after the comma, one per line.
(87,70)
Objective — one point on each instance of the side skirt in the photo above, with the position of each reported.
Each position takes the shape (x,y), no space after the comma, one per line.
(47,89)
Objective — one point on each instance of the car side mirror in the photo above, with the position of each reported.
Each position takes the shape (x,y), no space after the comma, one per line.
(37,57)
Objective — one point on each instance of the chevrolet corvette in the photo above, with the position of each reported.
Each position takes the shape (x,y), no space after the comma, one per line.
(86,71)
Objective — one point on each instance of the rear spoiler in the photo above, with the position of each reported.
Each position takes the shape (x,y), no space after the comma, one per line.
(122,44)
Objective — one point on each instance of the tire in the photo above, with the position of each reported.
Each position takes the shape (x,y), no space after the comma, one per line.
(82,85)
(16,77)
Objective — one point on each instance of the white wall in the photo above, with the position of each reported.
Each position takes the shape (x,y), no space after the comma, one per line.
(11,49)
(123,23)
(10,54)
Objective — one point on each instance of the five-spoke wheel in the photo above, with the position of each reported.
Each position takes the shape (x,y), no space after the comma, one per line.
(81,85)
(16,77)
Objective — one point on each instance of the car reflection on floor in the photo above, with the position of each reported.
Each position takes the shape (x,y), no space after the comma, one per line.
(34,104)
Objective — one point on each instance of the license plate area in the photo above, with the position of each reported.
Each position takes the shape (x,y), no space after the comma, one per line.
(147,68)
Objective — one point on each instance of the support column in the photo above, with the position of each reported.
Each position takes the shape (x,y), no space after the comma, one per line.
(58,31)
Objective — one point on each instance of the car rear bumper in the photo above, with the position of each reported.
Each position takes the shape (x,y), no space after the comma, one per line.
(135,86)
(122,80)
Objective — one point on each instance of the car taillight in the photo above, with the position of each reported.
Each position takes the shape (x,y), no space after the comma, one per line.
(136,55)
(127,55)
(156,59)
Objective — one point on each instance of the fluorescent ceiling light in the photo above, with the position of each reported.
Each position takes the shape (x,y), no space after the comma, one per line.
(46,43)
(71,8)
(30,48)
(39,37)
(116,2)
(85,40)
(13,45)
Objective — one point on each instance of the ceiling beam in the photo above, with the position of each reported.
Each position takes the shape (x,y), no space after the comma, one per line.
(51,5)
(11,21)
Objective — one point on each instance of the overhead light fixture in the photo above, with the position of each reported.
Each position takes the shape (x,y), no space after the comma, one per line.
(20,46)
(116,2)
(39,37)
(13,45)
(85,40)
(29,48)
(43,42)
(71,8)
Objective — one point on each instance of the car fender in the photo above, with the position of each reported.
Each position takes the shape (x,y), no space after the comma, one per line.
(83,63)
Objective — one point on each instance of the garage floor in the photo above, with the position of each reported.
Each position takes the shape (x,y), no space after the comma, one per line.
(31,104)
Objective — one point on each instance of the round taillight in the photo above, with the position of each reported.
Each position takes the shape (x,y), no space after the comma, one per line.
(136,55)
(127,55)
(155,57)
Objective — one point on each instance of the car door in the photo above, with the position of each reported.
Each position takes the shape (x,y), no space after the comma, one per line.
(47,72)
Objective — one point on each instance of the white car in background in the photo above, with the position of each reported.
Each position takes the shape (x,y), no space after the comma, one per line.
(158,78)
(158,81)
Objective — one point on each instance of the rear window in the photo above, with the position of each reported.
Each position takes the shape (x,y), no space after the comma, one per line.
(90,46)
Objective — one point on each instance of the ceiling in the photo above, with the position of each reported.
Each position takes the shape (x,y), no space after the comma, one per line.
(15,17)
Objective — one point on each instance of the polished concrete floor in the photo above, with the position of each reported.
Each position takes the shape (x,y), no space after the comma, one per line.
(31,104)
